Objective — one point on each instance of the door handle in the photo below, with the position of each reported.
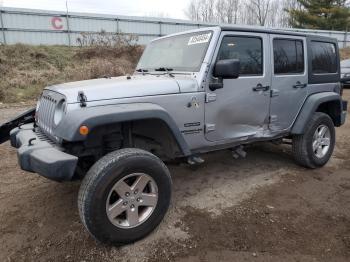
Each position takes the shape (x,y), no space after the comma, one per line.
(299,85)
(260,87)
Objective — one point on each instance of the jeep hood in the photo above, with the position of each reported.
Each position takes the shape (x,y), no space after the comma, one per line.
(122,87)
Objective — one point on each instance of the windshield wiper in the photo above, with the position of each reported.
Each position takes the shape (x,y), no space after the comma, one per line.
(141,70)
(164,69)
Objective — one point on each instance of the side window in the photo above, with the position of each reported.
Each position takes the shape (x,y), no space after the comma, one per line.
(248,50)
(288,56)
(324,58)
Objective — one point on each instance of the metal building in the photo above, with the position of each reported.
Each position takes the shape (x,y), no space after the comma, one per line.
(59,28)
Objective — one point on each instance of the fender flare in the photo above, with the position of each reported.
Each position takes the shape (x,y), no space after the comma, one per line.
(310,106)
(93,117)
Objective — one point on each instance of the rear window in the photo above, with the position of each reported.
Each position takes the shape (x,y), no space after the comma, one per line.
(324,58)
(288,56)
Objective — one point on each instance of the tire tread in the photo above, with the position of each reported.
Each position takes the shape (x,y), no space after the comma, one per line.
(300,142)
(93,175)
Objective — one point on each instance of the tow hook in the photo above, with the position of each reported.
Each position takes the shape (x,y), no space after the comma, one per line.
(30,142)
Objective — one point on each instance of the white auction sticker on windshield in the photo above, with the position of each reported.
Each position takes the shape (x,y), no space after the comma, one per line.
(199,39)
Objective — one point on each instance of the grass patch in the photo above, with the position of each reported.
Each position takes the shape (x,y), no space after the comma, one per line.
(25,70)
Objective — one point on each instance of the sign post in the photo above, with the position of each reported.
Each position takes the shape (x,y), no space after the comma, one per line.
(68,27)
(2,25)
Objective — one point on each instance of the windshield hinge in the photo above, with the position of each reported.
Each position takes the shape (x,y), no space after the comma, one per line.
(82,99)
(274,92)
(210,97)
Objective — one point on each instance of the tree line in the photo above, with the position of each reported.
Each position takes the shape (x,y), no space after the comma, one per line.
(310,14)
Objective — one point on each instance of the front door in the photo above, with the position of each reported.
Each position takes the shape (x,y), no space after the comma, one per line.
(289,80)
(241,108)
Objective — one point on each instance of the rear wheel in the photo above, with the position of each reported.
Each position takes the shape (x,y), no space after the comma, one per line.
(124,196)
(314,148)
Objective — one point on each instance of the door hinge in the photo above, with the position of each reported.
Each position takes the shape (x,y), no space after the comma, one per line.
(274,92)
(210,97)
(209,128)
(273,119)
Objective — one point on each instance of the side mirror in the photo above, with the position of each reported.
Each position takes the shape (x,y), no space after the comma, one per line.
(227,68)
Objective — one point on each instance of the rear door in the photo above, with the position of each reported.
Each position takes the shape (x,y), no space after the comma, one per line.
(289,80)
(241,108)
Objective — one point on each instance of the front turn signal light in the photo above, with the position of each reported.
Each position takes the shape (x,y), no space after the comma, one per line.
(84,130)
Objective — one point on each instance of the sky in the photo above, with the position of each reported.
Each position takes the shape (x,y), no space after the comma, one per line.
(165,8)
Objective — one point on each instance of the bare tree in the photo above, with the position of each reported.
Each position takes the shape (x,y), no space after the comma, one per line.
(251,12)
(192,11)
(220,9)
(207,10)
(261,9)
(232,7)
(285,19)
(201,10)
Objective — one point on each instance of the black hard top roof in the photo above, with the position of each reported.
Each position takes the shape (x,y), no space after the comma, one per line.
(272,31)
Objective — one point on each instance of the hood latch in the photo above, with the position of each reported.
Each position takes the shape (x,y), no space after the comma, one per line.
(82,99)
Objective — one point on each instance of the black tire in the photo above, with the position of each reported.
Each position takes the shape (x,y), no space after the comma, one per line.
(103,175)
(302,144)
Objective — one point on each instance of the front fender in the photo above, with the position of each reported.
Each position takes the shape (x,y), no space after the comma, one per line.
(93,117)
(310,106)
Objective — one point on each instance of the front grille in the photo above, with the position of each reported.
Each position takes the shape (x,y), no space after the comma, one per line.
(46,111)
(43,137)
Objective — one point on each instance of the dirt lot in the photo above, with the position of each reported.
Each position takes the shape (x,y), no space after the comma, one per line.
(262,208)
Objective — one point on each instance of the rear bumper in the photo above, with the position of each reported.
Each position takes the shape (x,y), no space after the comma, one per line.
(344,111)
(39,156)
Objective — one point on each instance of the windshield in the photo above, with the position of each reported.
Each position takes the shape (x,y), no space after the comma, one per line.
(177,53)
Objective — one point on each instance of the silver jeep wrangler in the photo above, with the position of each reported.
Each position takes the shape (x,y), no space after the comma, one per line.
(194,92)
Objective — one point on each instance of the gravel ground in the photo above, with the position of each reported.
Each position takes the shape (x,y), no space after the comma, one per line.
(262,208)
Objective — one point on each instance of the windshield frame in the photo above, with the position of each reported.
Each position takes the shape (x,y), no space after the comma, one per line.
(174,69)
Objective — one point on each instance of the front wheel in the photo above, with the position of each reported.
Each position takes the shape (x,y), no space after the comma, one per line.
(124,196)
(314,148)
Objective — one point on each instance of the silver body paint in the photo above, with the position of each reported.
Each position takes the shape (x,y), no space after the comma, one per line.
(209,120)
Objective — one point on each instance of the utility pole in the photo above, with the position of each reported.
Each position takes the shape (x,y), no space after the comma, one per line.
(2,22)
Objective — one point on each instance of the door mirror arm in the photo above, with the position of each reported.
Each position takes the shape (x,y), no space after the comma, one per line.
(218,83)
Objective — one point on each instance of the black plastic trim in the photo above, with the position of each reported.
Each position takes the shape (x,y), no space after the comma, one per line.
(93,117)
(310,106)
(24,118)
(38,156)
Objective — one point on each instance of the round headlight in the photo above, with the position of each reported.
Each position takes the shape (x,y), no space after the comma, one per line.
(37,106)
(59,111)
(36,110)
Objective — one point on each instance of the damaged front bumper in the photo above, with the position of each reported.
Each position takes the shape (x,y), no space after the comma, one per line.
(39,155)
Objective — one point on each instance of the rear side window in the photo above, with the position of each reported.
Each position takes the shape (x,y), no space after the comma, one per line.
(248,50)
(288,56)
(324,58)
